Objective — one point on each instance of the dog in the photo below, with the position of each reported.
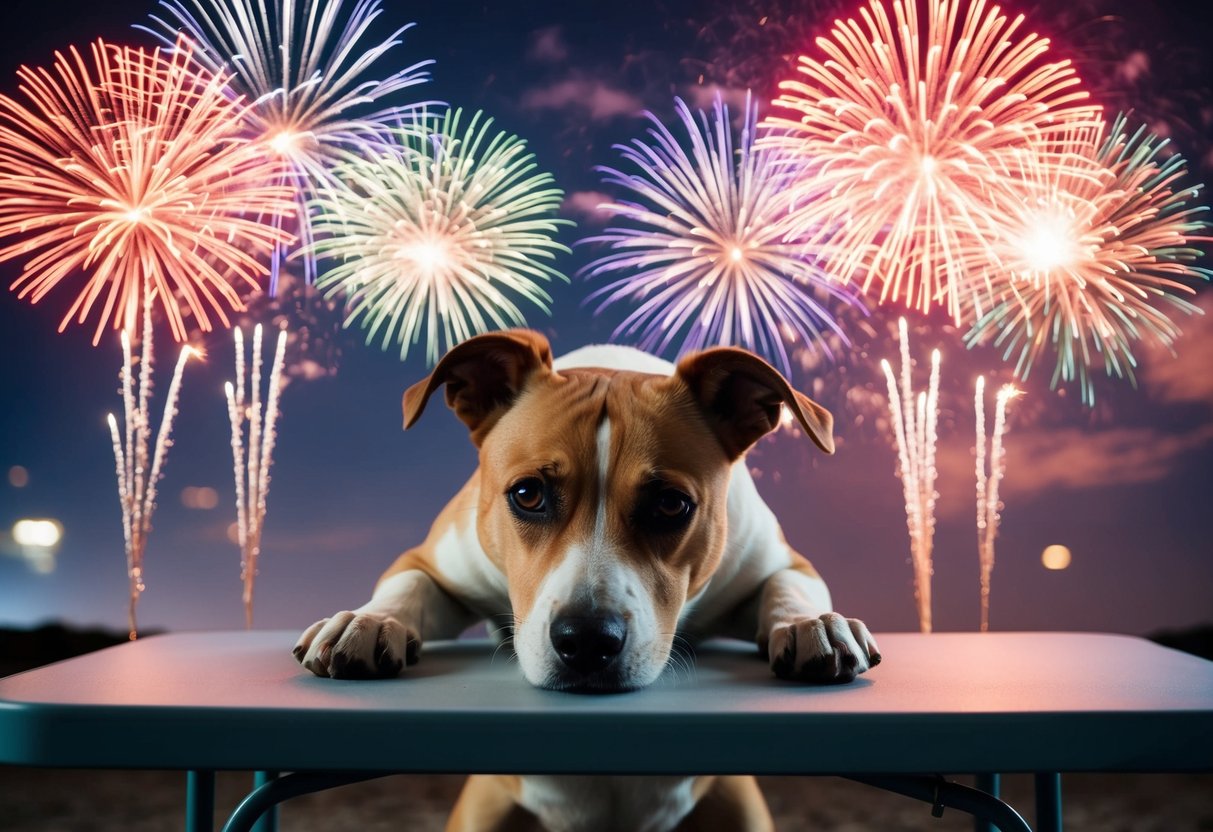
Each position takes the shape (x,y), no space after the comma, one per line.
(612,512)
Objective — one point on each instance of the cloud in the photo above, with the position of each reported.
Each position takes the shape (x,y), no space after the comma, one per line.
(1044,459)
(1187,376)
(601,101)
(547,46)
(584,206)
(703,97)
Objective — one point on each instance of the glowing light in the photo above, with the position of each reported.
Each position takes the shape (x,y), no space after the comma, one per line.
(318,80)
(201,498)
(1055,557)
(251,460)
(18,476)
(899,130)
(1122,250)
(431,235)
(914,430)
(138,471)
(284,143)
(128,171)
(989,475)
(44,534)
(701,255)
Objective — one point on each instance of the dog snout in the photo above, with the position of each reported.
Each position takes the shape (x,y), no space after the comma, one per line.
(588,644)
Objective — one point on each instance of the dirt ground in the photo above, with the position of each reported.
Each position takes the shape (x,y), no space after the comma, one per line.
(34,800)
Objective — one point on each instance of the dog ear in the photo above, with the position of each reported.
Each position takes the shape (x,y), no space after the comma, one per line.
(741,395)
(483,375)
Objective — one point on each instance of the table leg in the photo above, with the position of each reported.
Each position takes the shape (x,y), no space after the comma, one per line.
(199,801)
(990,784)
(268,822)
(297,783)
(943,794)
(1048,802)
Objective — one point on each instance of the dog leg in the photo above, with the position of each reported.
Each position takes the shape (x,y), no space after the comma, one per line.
(488,803)
(732,803)
(382,636)
(802,638)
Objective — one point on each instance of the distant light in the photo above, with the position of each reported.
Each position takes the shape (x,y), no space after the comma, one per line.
(1055,557)
(737,254)
(203,497)
(428,256)
(136,215)
(18,477)
(43,534)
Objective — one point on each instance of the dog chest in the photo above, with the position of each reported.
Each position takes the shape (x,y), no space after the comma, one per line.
(608,804)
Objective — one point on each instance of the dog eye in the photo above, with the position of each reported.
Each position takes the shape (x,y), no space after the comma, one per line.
(672,504)
(527,496)
(668,511)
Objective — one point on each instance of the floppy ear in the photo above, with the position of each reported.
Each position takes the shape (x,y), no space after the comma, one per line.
(741,395)
(483,376)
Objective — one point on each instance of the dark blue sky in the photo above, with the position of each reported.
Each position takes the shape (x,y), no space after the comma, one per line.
(1125,486)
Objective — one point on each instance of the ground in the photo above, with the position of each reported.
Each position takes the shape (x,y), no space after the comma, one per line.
(142,801)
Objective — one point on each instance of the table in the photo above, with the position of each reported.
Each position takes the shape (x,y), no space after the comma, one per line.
(945,702)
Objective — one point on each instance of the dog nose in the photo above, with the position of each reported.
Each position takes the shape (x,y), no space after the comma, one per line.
(588,644)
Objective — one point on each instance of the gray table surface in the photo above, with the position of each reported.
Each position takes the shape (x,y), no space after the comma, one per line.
(946,702)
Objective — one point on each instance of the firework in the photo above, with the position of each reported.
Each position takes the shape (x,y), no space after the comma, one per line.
(252,460)
(304,65)
(433,234)
(914,429)
(136,481)
(702,255)
(989,475)
(899,129)
(1094,253)
(128,169)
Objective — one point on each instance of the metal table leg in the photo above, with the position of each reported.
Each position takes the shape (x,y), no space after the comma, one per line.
(991,785)
(941,794)
(269,819)
(1048,802)
(274,791)
(199,801)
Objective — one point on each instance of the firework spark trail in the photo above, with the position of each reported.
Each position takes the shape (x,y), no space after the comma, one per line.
(137,485)
(915,433)
(899,129)
(427,235)
(306,67)
(251,462)
(1092,254)
(128,168)
(989,475)
(702,256)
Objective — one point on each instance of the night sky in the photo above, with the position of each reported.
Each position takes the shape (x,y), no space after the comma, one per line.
(1125,486)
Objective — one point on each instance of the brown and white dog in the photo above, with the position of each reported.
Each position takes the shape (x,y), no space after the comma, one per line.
(612,510)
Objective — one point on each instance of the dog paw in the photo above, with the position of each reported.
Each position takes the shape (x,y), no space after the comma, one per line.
(357,646)
(827,649)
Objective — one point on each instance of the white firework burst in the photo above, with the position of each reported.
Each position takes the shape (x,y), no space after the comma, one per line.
(437,233)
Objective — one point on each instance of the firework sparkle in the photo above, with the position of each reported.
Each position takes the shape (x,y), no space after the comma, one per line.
(1095,254)
(702,257)
(251,460)
(899,129)
(137,482)
(990,472)
(435,235)
(128,168)
(305,66)
(914,429)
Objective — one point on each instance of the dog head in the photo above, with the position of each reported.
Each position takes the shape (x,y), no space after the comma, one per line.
(603,493)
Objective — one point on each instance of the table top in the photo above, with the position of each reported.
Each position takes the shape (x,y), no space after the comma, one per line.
(945,702)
